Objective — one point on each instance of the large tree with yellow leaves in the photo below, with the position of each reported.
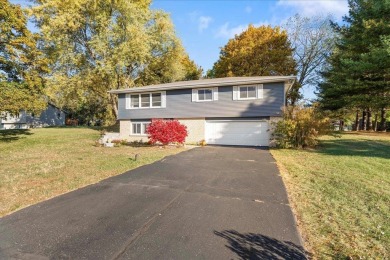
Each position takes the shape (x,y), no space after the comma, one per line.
(258,51)
(98,45)
(21,63)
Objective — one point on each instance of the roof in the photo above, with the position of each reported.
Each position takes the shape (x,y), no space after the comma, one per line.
(206,83)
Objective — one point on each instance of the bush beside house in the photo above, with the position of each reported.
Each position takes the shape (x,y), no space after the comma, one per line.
(166,132)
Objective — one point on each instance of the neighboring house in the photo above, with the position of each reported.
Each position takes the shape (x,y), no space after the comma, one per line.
(52,116)
(225,111)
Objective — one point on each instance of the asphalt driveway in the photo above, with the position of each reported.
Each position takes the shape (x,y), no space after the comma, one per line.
(205,203)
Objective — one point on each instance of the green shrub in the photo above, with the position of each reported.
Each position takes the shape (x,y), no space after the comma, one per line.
(300,128)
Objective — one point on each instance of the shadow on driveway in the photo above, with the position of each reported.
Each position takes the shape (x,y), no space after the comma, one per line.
(256,246)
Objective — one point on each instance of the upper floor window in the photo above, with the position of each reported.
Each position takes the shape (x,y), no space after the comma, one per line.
(204,94)
(248,92)
(145,100)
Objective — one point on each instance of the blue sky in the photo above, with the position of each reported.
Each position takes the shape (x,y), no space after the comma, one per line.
(205,26)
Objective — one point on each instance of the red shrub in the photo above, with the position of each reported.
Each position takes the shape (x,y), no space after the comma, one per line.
(166,131)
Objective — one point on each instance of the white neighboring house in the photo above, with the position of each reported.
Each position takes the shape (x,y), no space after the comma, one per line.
(52,116)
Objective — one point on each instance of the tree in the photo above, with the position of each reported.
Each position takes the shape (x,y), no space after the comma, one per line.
(21,63)
(312,40)
(261,51)
(98,45)
(359,72)
(301,127)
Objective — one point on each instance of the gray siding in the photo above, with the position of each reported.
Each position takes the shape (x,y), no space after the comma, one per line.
(179,105)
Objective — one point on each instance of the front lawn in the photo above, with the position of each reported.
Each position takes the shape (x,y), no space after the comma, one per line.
(341,195)
(38,164)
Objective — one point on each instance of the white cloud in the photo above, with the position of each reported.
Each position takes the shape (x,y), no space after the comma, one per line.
(201,21)
(204,22)
(229,32)
(248,9)
(337,8)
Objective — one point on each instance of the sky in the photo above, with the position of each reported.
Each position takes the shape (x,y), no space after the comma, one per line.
(206,26)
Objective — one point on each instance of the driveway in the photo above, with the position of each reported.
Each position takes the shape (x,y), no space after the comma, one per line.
(205,203)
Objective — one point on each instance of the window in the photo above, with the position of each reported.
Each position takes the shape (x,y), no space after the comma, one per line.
(145,100)
(139,128)
(247,92)
(205,94)
(156,99)
(134,101)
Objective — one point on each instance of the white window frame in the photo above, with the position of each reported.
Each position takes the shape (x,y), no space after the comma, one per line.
(129,105)
(195,94)
(143,128)
(205,100)
(258,88)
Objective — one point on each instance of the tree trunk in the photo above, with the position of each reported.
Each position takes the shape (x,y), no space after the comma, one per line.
(356,127)
(363,127)
(382,126)
(376,122)
(341,125)
(114,105)
(369,119)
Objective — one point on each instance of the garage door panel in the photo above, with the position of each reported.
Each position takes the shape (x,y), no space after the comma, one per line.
(237,133)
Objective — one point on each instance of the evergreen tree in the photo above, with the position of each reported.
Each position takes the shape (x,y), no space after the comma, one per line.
(359,71)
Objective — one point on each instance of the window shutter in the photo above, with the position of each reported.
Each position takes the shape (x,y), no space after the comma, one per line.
(128,100)
(235,93)
(215,93)
(260,91)
(163,99)
(194,95)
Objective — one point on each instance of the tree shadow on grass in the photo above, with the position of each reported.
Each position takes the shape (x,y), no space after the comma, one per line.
(13,135)
(352,147)
(256,246)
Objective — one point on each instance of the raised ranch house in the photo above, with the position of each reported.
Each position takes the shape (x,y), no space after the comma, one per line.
(224,111)
(51,116)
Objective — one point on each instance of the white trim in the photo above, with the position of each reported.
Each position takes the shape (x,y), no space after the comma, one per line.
(194,96)
(215,93)
(260,91)
(235,92)
(128,101)
(163,99)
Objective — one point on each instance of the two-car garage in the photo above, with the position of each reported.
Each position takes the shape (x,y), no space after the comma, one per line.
(237,132)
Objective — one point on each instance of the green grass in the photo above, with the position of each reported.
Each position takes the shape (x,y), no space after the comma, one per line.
(42,163)
(340,193)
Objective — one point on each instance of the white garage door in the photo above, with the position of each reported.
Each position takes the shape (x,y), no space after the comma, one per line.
(237,133)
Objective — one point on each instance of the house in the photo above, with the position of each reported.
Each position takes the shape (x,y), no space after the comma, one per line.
(223,111)
(51,116)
